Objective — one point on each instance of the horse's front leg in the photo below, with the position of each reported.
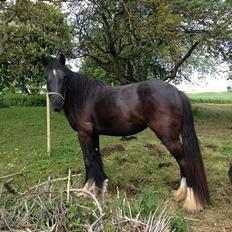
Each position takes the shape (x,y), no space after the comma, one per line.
(95,175)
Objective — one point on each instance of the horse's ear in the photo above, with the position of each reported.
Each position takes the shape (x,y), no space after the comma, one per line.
(61,58)
(45,60)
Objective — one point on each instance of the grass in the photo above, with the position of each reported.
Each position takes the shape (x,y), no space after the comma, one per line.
(211,97)
(142,168)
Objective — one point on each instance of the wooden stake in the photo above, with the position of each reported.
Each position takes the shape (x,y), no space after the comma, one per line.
(48,126)
(68,185)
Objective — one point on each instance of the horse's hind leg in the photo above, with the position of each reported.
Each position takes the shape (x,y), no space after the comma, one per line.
(176,150)
(169,135)
(172,142)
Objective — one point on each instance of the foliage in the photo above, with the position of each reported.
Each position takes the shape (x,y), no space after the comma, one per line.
(139,40)
(51,206)
(179,223)
(89,68)
(22,100)
(30,31)
(12,99)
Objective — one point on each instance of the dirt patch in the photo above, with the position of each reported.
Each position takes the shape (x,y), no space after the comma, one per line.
(122,161)
(137,182)
(154,150)
(164,165)
(225,196)
(212,220)
(173,184)
(105,151)
(212,147)
(228,229)
(130,190)
(150,146)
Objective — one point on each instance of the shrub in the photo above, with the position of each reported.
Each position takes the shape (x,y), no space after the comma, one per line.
(22,100)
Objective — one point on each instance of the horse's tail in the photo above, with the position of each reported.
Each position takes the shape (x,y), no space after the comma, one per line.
(195,172)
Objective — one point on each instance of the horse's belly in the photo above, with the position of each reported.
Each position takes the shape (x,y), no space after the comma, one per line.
(120,128)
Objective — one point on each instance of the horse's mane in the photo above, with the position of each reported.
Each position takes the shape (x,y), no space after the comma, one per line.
(82,86)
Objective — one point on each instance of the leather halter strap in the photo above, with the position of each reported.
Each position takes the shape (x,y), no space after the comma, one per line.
(55,93)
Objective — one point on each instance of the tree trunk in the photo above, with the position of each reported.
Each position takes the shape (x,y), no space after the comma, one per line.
(118,71)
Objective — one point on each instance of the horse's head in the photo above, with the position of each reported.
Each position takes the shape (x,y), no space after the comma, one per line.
(56,78)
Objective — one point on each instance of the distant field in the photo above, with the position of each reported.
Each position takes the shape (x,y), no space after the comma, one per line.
(211,97)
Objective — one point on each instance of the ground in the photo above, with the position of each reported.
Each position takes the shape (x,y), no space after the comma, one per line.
(142,168)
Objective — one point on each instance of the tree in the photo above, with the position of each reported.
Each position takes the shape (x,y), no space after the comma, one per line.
(138,40)
(30,31)
(88,67)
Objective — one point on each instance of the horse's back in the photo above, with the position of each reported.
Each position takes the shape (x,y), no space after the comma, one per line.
(160,92)
(118,110)
(160,100)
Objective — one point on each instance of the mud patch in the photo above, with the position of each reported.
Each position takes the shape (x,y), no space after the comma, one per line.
(105,151)
(154,150)
(212,147)
(137,182)
(122,160)
(164,165)
(130,190)
(173,184)
(226,194)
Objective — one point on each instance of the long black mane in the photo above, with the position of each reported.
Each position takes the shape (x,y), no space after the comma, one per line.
(80,87)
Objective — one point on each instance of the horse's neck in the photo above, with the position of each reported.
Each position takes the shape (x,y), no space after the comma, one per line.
(76,93)
(71,110)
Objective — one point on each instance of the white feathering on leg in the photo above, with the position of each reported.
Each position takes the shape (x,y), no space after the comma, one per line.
(91,187)
(191,204)
(181,193)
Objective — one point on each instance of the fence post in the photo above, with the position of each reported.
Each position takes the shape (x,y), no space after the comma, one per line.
(69,185)
(48,126)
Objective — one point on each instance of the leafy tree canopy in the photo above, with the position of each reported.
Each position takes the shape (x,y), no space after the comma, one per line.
(29,31)
(142,39)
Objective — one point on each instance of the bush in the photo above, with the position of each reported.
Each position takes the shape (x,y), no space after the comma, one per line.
(2,103)
(22,100)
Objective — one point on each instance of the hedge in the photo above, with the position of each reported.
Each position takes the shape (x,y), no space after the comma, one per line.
(22,100)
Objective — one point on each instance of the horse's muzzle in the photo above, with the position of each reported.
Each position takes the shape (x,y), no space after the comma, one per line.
(56,103)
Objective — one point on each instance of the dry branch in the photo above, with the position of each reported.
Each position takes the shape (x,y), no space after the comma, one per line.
(46,207)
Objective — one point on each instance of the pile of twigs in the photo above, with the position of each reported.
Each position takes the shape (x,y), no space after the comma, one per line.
(59,205)
(125,220)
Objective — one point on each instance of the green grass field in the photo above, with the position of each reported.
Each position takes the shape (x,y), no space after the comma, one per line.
(142,168)
(211,97)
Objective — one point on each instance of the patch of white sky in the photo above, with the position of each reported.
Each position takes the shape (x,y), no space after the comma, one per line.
(214,82)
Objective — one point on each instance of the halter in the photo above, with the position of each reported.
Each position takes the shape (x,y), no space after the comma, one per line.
(55,93)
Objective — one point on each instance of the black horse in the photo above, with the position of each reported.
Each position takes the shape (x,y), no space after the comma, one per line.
(94,109)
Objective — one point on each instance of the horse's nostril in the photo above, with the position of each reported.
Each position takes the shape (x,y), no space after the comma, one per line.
(56,110)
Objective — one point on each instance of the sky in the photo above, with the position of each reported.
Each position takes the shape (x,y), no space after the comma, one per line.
(208,83)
